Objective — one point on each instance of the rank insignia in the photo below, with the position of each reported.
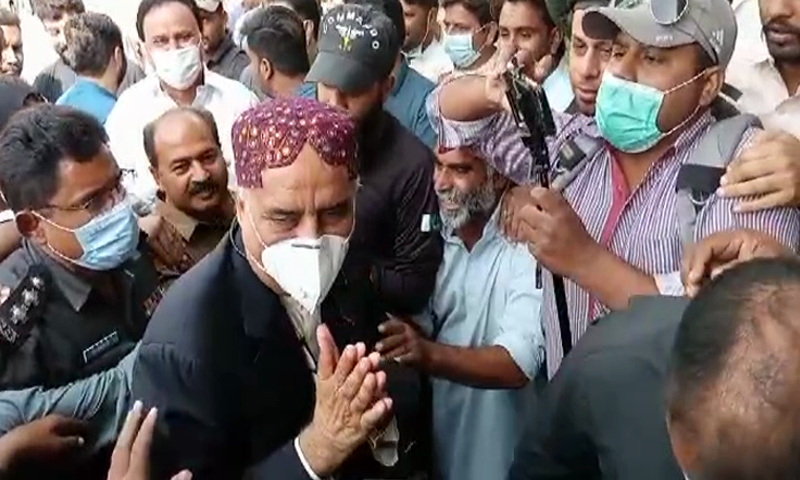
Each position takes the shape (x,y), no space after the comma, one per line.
(23,305)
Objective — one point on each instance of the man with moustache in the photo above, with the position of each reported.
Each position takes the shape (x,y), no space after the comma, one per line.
(768,73)
(241,359)
(483,342)
(393,243)
(649,134)
(195,208)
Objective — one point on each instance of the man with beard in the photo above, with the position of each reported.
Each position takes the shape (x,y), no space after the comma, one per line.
(195,209)
(483,342)
(11,54)
(222,55)
(95,51)
(768,73)
(392,244)
(55,79)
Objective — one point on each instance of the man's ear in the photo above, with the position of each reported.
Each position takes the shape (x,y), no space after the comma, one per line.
(714,79)
(308,26)
(265,69)
(387,85)
(29,226)
(157,177)
(492,33)
(556,39)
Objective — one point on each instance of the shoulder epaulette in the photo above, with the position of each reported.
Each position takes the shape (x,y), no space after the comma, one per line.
(24,305)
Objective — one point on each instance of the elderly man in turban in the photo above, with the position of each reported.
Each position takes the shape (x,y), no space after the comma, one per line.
(242,360)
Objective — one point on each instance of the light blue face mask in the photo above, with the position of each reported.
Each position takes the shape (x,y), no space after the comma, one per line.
(107,240)
(458,47)
(627,113)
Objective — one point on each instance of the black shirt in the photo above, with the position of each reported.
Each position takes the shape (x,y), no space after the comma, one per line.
(223,364)
(603,415)
(78,331)
(390,239)
(228,60)
(57,78)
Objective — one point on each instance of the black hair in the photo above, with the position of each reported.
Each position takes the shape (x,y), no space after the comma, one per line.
(147,5)
(733,381)
(55,9)
(150,129)
(487,11)
(91,39)
(427,4)
(539,5)
(9,18)
(563,18)
(307,9)
(33,144)
(392,9)
(280,39)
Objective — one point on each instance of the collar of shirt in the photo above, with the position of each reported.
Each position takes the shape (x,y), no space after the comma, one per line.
(259,304)
(205,91)
(400,76)
(184,224)
(224,47)
(490,230)
(87,84)
(74,288)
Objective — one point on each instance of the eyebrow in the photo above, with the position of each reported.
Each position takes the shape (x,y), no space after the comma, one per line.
(191,158)
(344,204)
(90,195)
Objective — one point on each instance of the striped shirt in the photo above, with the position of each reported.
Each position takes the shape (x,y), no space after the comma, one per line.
(639,226)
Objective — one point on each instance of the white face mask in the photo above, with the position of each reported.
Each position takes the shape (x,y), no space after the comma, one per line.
(178,68)
(305,268)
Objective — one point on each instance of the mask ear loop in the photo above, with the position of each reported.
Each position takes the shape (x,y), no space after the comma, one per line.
(697,108)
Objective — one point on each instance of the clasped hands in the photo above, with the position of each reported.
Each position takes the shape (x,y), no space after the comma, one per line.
(351,404)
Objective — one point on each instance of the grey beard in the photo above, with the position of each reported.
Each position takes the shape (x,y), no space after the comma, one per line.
(480,201)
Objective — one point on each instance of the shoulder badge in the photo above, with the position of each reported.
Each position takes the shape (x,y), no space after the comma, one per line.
(22,306)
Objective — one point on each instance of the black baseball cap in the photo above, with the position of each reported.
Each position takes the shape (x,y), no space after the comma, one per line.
(357,47)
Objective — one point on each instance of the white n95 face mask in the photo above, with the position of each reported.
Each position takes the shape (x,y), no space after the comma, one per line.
(305,267)
(178,68)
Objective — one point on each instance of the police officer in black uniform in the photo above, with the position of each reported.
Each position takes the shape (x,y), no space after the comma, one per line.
(79,291)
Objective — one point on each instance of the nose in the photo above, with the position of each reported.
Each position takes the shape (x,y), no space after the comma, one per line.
(198,172)
(441,181)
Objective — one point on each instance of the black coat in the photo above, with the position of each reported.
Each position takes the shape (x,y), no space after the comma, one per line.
(223,364)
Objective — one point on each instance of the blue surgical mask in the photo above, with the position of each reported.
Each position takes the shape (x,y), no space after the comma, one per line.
(458,47)
(627,113)
(107,240)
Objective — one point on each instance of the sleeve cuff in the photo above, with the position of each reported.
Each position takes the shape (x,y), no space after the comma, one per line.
(303,460)
(525,350)
(670,284)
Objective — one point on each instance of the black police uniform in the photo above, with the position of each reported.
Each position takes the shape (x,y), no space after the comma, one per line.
(55,327)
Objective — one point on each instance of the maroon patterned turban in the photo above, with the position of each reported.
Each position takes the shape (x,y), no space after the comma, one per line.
(271,135)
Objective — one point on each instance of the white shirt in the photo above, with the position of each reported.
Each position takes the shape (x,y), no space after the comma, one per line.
(144,102)
(433,62)
(753,72)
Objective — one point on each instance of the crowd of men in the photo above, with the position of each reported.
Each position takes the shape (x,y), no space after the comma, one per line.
(399,239)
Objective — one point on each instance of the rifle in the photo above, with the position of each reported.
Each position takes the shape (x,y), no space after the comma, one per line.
(532,114)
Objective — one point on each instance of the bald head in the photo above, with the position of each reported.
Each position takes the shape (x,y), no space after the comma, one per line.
(733,407)
(186,160)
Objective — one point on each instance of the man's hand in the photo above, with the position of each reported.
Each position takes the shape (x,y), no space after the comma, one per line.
(721,251)
(130,459)
(554,233)
(769,169)
(514,200)
(351,403)
(403,342)
(500,63)
(52,437)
